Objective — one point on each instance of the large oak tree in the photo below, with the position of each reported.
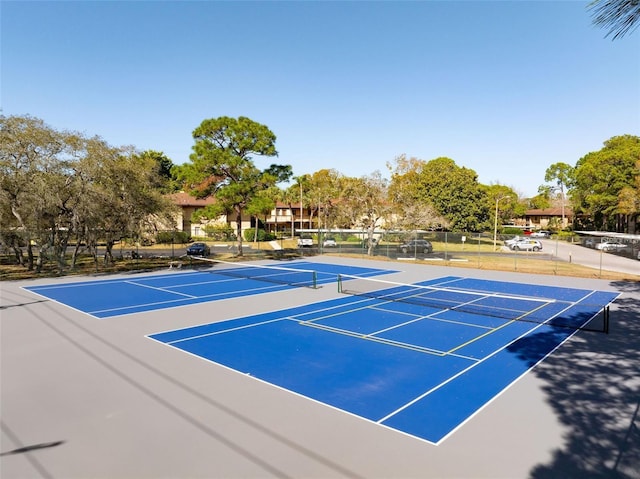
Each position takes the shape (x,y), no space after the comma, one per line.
(55,185)
(453,192)
(605,185)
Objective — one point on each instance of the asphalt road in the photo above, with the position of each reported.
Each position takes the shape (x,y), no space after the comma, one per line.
(591,258)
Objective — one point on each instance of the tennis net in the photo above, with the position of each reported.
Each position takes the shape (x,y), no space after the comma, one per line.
(506,307)
(272,274)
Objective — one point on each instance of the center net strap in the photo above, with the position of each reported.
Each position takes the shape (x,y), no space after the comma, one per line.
(272,274)
(504,306)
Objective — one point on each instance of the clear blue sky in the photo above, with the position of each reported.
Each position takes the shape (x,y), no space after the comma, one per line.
(505,88)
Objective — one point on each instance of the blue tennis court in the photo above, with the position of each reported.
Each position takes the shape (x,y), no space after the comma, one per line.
(420,359)
(216,281)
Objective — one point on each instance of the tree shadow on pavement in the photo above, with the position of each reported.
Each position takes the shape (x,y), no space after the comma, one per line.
(592,382)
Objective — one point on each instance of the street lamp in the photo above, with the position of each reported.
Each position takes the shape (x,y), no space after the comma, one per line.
(561,188)
(495,222)
(301,205)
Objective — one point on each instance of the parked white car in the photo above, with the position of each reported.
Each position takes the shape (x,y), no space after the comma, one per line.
(329,243)
(512,241)
(609,246)
(305,241)
(541,234)
(527,245)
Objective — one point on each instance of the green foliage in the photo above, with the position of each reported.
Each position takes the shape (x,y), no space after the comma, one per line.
(208,213)
(504,201)
(173,237)
(414,209)
(543,199)
(566,236)
(454,193)
(59,186)
(364,204)
(560,173)
(162,178)
(353,239)
(321,193)
(219,232)
(222,164)
(262,235)
(510,231)
(600,178)
(262,204)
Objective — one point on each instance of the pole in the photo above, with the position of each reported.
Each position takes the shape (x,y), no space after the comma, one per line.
(495,221)
(495,226)
(301,205)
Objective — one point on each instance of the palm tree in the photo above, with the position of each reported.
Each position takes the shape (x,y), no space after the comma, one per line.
(619,16)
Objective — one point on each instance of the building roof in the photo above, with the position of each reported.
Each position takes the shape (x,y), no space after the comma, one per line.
(282,204)
(185,199)
(549,212)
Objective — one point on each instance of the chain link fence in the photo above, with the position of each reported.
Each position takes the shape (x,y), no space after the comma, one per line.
(474,250)
(479,250)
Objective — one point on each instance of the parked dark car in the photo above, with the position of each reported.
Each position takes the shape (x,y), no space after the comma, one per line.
(198,249)
(416,246)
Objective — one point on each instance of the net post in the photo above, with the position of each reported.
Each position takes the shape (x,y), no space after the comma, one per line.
(605,312)
(314,279)
(339,283)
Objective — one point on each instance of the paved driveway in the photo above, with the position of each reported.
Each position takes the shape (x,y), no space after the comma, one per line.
(591,258)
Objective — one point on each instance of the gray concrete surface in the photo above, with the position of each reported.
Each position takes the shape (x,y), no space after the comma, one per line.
(87,398)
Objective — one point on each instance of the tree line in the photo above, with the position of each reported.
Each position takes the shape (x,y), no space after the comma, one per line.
(59,188)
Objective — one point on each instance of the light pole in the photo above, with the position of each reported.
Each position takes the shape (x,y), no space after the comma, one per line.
(561,188)
(495,222)
(300,205)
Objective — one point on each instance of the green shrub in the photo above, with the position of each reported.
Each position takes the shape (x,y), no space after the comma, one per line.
(220,232)
(511,231)
(250,233)
(173,237)
(567,236)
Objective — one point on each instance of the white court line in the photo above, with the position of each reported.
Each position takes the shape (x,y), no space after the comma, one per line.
(170,301)
(155,288)
(215,333)
(460,373)
(99,282)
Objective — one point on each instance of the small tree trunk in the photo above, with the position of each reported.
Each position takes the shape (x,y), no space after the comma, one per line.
(239,230)
(255,231)
(29,256)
